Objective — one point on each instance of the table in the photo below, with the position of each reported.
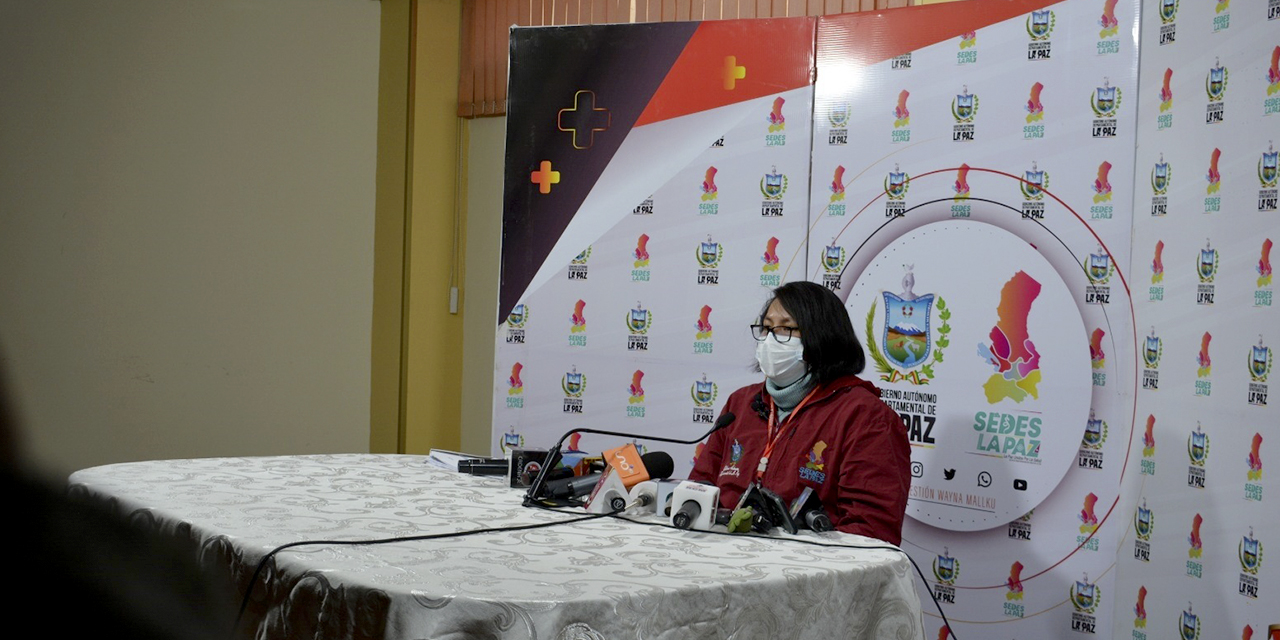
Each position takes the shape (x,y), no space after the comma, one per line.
(601,579)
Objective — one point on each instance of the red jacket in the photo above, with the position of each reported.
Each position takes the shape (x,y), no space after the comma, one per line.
(845,443)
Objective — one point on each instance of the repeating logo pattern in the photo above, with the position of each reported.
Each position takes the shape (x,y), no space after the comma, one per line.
(1095,432)
(1087,517)
(1040,24)
(773,185)
(1204,362)
(1143,521)
(946,569)
(1166,92)
(1099,267)
(511,440)
(1109,23)
(1035,108)
(1105,100)
(1085,595)
(1097,357)
(896,184)
(1254,459)
(1152,350)
(1259,361)
(902,115)
(1213,176)
(1034,182)
(635,391)
(1250,553)
(704,392)
(709,190)
(1194,541)
(1198,446)
(1189,627)
(1215,83)
(573,383)
(1161,174)
(1207,267)
(515,386)
(1102,183)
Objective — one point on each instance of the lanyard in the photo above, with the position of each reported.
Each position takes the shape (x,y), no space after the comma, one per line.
(775,429)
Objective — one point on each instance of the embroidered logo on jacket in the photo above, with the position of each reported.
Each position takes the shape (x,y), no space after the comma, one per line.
(735,454)
(813,467)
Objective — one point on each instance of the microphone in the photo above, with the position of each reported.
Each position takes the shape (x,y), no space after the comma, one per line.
(644,496)
(807,508)
(767,509)
(553,455)
(658,463)
(574,487)
(723,421)
(754,508)
(611,493)
(778,509)
(665,490)
(697,508)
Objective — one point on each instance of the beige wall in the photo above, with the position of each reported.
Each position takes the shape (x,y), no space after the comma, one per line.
(484,170)
(186,226)
(434,264)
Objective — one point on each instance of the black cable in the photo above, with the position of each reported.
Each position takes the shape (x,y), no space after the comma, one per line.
(617,515)
(244,604)
(883,547)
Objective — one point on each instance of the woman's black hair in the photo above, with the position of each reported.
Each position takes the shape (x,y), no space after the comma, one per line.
(831,348)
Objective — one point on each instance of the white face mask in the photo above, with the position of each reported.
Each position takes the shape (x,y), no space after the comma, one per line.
(781,362)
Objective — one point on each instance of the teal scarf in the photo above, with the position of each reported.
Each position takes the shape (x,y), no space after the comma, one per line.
(786,398)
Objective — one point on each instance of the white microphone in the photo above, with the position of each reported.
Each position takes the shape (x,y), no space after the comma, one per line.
(610,495)
(694,505)
(643,497)
(665,490)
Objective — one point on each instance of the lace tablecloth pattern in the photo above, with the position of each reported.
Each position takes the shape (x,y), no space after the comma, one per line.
(600,579)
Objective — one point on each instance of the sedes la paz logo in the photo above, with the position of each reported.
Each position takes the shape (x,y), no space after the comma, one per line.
(978,362)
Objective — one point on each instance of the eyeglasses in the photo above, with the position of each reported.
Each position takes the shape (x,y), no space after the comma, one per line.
(781,334)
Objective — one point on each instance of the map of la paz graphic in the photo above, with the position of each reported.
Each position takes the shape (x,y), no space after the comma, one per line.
(1011,351)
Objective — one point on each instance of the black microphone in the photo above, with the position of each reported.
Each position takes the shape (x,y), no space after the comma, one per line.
(686,515)
(553,455)
(807,508)
(753,502)
(723,421)
(768,509)
(778,509)
(758,406)
(658,464)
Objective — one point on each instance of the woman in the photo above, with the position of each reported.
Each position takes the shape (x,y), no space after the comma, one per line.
(813,422)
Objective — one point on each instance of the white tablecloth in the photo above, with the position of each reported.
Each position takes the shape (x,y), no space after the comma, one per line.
(606,579)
